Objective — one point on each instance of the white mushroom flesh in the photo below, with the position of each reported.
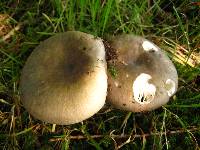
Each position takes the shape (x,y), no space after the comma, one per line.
(143,91)
(148,46)
(170,86)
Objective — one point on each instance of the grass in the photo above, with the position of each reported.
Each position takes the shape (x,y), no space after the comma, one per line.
(173,25)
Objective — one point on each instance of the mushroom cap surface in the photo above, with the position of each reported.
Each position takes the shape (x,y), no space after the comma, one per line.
(145,77)
(64,80)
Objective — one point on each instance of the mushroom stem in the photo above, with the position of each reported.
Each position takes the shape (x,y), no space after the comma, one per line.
(53,128)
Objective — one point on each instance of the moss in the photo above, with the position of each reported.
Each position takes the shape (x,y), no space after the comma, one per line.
(113,71)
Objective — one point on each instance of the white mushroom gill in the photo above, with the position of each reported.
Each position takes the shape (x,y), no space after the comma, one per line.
(170,87)
(143,91)
(148,46)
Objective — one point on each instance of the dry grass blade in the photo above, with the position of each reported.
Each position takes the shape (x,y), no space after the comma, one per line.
(180,54)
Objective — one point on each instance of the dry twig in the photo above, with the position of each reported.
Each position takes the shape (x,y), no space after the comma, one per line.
(81,137)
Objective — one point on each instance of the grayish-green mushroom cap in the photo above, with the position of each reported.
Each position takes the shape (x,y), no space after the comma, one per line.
(64,80)
(145,77)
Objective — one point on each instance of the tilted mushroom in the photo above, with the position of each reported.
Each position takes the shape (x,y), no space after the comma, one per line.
(64,80)
(145,77)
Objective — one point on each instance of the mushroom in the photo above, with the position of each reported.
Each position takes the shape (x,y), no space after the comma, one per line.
(64,80)
(145,78)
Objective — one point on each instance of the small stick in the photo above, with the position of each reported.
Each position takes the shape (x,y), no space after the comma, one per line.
(53,128)
(81,137)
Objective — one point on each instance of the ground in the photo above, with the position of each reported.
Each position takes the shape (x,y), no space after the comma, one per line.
(172,25)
